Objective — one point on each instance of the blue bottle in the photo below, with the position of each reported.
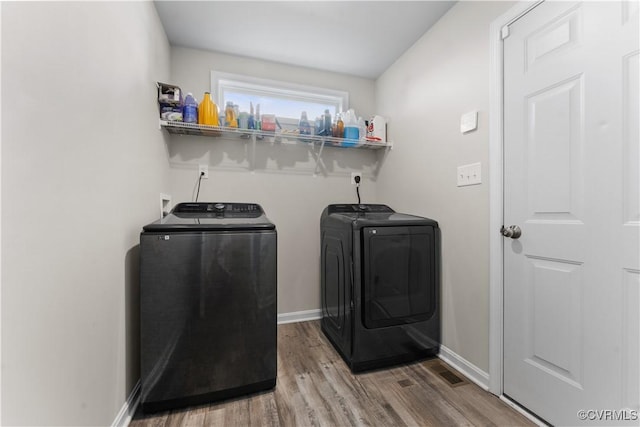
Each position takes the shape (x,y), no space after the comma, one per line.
(190,109)
(304,128)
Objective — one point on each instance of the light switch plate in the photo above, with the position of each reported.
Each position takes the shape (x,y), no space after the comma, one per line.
(469,122)
(469,174)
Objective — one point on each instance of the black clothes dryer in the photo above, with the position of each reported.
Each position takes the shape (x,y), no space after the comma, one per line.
(380,284)
(207,305)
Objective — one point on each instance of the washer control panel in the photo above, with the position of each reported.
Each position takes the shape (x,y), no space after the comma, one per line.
(218,209)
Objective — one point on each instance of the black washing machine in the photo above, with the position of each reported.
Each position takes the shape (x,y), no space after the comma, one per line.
(207,305)
(380,283)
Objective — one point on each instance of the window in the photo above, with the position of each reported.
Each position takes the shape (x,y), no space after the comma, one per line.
(286,100)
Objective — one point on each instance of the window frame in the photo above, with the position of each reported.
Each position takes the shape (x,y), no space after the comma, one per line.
(223,81)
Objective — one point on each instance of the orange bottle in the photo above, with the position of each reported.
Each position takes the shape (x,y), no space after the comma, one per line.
(230,119)
(207,111)
(339,127)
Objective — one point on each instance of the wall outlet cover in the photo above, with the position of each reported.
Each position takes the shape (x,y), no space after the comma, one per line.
(205,169)
(165,204)
(353,177)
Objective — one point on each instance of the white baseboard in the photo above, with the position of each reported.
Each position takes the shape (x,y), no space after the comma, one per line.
(128,409)
(299,316)
(468,369)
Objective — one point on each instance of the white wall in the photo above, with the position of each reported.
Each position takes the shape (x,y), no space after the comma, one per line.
(446,74)
(83,163)
(283,181)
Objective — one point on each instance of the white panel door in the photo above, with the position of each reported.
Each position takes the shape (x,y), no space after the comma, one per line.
(571,183)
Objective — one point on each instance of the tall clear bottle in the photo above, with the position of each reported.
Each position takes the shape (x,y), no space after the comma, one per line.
(327,123)
(252,117)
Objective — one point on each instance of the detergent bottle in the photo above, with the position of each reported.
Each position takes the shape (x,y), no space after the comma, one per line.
(208,111)
(230,119)
(190,109)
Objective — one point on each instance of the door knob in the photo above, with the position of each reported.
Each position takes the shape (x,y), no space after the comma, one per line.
(512,231)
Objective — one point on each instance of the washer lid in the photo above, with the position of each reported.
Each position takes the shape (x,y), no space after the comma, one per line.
(213,216)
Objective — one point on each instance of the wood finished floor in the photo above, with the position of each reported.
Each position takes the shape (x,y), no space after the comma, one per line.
(316,388)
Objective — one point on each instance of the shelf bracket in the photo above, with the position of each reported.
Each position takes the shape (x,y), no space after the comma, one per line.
(252,162)
(319,159)
(381,160)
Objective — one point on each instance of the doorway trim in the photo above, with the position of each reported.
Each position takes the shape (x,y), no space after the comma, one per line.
(496,199)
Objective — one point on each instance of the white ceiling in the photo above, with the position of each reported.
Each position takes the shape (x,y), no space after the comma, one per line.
(361,38)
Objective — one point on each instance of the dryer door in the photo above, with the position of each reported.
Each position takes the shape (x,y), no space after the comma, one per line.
(399,275)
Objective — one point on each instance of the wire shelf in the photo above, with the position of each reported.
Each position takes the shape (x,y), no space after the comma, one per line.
(182,128)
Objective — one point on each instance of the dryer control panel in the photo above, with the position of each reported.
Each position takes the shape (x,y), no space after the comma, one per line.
(355,208)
